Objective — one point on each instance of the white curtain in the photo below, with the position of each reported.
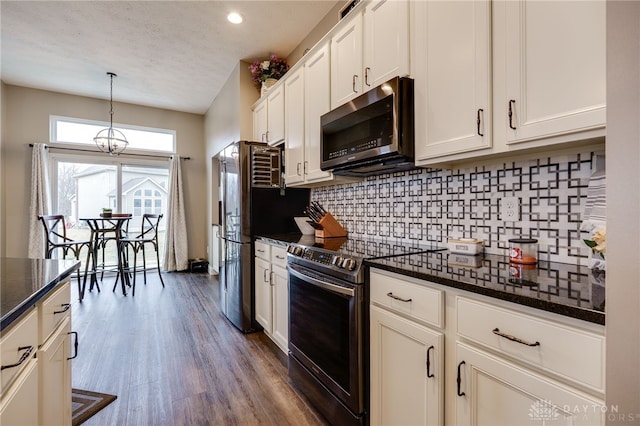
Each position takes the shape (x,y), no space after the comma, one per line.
(175,246)
(40,199)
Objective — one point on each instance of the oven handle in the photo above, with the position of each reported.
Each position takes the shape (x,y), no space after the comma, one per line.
(327,286)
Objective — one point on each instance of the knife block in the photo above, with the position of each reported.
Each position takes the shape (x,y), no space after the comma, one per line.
(330,227)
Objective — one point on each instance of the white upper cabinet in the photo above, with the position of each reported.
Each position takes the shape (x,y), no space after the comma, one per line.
(346,61)
(268,117)
(294,127)
(260,121)
(371,47)
(317,102)
(493,77)
(386,41)
(452,64)
(552,54)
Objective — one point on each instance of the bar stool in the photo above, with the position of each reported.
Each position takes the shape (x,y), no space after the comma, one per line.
(55,229)
(148,235)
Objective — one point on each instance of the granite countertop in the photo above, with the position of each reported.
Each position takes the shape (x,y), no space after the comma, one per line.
(570,290)
(24,282)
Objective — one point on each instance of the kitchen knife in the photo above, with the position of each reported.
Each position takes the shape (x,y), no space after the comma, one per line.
(319,207)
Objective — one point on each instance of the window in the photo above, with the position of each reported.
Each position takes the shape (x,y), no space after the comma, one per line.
(83,185)
(82,132)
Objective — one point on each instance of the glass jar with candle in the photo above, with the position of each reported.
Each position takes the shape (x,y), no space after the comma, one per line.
(523,250)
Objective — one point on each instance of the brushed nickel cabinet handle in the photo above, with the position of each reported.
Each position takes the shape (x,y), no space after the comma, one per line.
(366,76)
(478,121)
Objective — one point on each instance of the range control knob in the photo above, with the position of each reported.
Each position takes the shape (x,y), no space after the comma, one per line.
(349,264)
(337,261)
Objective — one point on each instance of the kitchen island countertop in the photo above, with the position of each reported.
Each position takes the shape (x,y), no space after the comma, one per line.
(24,282)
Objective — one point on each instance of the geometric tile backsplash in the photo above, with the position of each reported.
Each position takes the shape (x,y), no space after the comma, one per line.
(432,205)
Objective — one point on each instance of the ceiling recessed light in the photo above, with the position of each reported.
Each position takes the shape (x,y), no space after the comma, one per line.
(234,18)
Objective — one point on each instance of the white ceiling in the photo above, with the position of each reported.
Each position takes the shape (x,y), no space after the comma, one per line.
(167,54)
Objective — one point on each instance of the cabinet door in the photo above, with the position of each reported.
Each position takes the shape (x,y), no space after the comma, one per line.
(260,122)
(280,308)
(452,77)
(346,62)
(495,392)
(294,122)
(386,42)
(55,377)
(554,67)
(19,403)
(406,371)
(275,115)
(263,293)
(317,88)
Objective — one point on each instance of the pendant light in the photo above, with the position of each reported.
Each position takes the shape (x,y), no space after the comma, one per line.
(111,140)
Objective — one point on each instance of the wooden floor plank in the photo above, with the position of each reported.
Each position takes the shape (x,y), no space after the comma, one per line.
(172,358)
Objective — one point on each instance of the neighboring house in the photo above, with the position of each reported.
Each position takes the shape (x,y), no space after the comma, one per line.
(144,190)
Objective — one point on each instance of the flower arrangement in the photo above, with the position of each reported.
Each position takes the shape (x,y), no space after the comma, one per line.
(273,67)
(598,243)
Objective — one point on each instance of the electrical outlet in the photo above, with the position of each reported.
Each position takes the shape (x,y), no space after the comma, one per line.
(510,209)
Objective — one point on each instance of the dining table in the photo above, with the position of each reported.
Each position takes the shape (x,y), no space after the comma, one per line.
(99,226)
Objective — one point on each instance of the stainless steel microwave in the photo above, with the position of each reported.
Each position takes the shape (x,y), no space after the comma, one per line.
(372,134)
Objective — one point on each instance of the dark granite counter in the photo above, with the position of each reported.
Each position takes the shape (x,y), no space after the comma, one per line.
(571,290)
(25,281)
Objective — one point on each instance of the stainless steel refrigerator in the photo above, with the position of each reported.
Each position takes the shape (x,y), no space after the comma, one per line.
(253,202)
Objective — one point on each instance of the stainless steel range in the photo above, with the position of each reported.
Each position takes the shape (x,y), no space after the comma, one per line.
(328,322)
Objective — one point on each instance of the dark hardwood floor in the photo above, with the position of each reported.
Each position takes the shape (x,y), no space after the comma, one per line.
(172,358)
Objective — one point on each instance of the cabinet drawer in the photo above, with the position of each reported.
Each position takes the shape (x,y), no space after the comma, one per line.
(24,334)
(279,257)
(53,311)
(263,250)
(415,300)
(571,353)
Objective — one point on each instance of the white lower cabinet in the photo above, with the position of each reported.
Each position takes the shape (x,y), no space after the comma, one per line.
(493,391)
(406,371)
(55,377)
(19,403)
(494,362)
(36,390)
(272,292)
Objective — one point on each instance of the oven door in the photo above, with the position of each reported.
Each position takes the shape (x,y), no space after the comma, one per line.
(325,332)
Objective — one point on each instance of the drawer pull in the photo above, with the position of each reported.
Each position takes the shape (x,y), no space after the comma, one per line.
(459,378)
(429,374)
(28,351)
(279,257)
(75,344)
(65,308)
(497,332)
(393,296)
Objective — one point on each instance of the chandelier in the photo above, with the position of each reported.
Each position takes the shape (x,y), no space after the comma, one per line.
(111,140)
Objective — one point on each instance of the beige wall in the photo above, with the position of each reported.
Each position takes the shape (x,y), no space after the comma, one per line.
(327,23)
(26,120)
(623,211)
(228,119)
